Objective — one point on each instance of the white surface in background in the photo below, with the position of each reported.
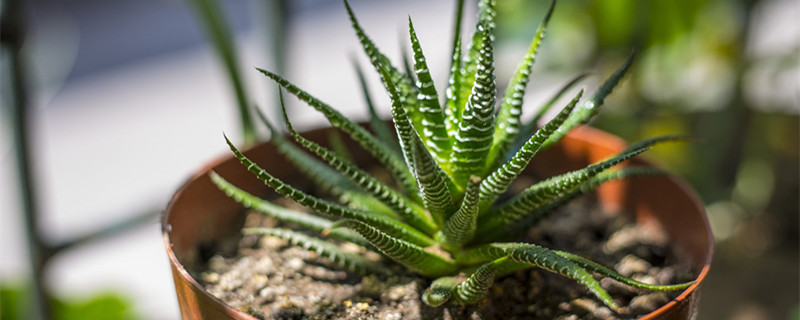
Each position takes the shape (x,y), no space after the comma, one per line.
(772,83)
(118,143)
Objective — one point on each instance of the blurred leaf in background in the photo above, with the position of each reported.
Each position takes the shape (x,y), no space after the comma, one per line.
(725,72)
(104,306)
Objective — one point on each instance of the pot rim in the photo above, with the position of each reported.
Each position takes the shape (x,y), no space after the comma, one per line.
(175,264)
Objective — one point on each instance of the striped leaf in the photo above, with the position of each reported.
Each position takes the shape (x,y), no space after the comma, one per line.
(559,186)
(434,184)
(452,113)
(591,107)
(327,178)
(508,115)
(478,283)
(407,90)
(454,106)
(511,229)
(376,123)
(528,128)
(402,124)
(377,148)
(610,273)
(468,291)
(475,130)
(305,220)
(498,181)
(458,17)
(539,257)
(348,260)
(388,225)
(324,176)
(440,291)
(486,16)
(411,255)
(433,124)
(410,212)
(548,190)
(460,228)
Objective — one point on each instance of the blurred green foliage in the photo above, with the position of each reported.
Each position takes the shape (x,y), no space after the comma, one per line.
(690,77)
(107,306)
(702,70)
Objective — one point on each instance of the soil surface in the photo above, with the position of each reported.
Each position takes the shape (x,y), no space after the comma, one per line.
(270,279)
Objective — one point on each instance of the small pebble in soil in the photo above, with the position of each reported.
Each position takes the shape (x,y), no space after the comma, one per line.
(260,280)
(631,264)
(646,302)
(210,277)
(294,264)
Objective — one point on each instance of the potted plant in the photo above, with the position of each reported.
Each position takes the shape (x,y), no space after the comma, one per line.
(448,209)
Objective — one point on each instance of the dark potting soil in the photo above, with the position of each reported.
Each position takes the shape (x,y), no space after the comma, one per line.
(271,279)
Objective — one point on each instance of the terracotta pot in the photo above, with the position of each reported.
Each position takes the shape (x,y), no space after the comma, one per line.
(200,215)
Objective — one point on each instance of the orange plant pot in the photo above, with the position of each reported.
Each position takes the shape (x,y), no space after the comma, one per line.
(200,215)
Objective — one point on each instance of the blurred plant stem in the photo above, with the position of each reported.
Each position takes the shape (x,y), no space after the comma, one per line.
(16,96)
(213,21)
(16,93)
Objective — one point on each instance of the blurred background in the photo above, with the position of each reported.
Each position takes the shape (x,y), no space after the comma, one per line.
(125,99)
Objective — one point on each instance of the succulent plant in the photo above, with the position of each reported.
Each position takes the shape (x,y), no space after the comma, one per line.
(447,215)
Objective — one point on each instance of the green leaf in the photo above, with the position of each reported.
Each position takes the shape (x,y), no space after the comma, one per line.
(475,131)
(459,14)
(452,93)
(452,108)
(550,189)
(377,148)
(376,123)
(558,188)
(498,181)
(468,291)
(434,131)
(591,107)
(411,213)
(440,291)
(460,228)
(302,219)
(528,128)
(646,143)
(413,256)
(338,146)
(348,260)
(478,283)
(508,116)
(406,88)
(402,125)
(608,272)
(540,257)
(221,37)
(323,176)
(510,230)
(388,225)
(407,69)
(434,184)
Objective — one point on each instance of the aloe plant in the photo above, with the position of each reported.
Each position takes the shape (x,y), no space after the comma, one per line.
(444,217)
